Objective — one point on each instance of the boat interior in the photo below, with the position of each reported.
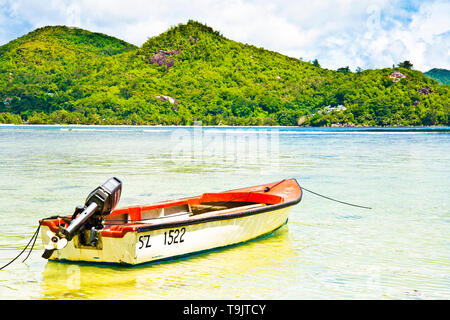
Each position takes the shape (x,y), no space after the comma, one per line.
(123,220)
(209,204)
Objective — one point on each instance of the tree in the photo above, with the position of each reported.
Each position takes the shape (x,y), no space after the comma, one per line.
(316,63)
(405,64)
(344,70)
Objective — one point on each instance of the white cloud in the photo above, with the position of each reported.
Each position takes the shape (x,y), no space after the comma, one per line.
(369,34)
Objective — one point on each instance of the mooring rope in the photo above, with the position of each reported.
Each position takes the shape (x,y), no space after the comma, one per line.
(343,202)
(33,238)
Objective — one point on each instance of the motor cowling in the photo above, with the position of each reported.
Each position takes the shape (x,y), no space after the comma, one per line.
(99,204)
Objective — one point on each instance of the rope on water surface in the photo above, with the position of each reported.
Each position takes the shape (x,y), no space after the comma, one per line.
(343,202)
(33,239)
(320,195)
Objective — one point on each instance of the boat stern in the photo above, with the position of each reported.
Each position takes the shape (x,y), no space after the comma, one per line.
(108,249)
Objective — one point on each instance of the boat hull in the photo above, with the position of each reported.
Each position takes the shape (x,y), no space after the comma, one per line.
(171,241)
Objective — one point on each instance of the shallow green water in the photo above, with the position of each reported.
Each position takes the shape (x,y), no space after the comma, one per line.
(398,250)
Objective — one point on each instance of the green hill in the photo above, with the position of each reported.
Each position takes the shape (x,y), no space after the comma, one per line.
(43,70)
(192,73)
(440,75)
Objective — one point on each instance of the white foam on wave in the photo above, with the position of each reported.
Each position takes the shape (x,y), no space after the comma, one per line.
(228,131)
(157,130)
(231,130)
(87,130)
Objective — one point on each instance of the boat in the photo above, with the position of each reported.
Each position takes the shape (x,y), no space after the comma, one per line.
(99,233)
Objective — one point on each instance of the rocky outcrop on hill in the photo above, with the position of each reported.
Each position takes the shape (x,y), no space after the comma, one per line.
(165,57)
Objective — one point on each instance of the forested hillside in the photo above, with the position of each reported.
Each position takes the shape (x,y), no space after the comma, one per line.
(192,73)
(440,75)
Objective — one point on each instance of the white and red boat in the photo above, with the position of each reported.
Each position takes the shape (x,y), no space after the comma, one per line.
(134,235)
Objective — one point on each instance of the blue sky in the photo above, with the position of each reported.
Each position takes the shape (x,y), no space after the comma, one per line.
(366,34)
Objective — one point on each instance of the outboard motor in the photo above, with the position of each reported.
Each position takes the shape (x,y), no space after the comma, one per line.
(99,204)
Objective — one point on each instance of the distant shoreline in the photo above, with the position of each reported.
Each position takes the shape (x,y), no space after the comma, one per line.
(437,127)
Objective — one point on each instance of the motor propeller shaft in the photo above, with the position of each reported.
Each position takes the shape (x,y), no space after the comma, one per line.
(76,224)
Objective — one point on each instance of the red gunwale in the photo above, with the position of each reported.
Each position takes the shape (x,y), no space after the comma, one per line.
(281,192)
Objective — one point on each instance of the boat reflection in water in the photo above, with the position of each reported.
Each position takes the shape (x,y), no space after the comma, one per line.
(197,276)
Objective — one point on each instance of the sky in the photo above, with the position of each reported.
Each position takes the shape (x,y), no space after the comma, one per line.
(355,33)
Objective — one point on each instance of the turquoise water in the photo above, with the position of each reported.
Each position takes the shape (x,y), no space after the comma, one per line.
(398,250)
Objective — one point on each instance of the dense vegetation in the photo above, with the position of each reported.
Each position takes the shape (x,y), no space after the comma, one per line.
(192,73)
(440,75)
